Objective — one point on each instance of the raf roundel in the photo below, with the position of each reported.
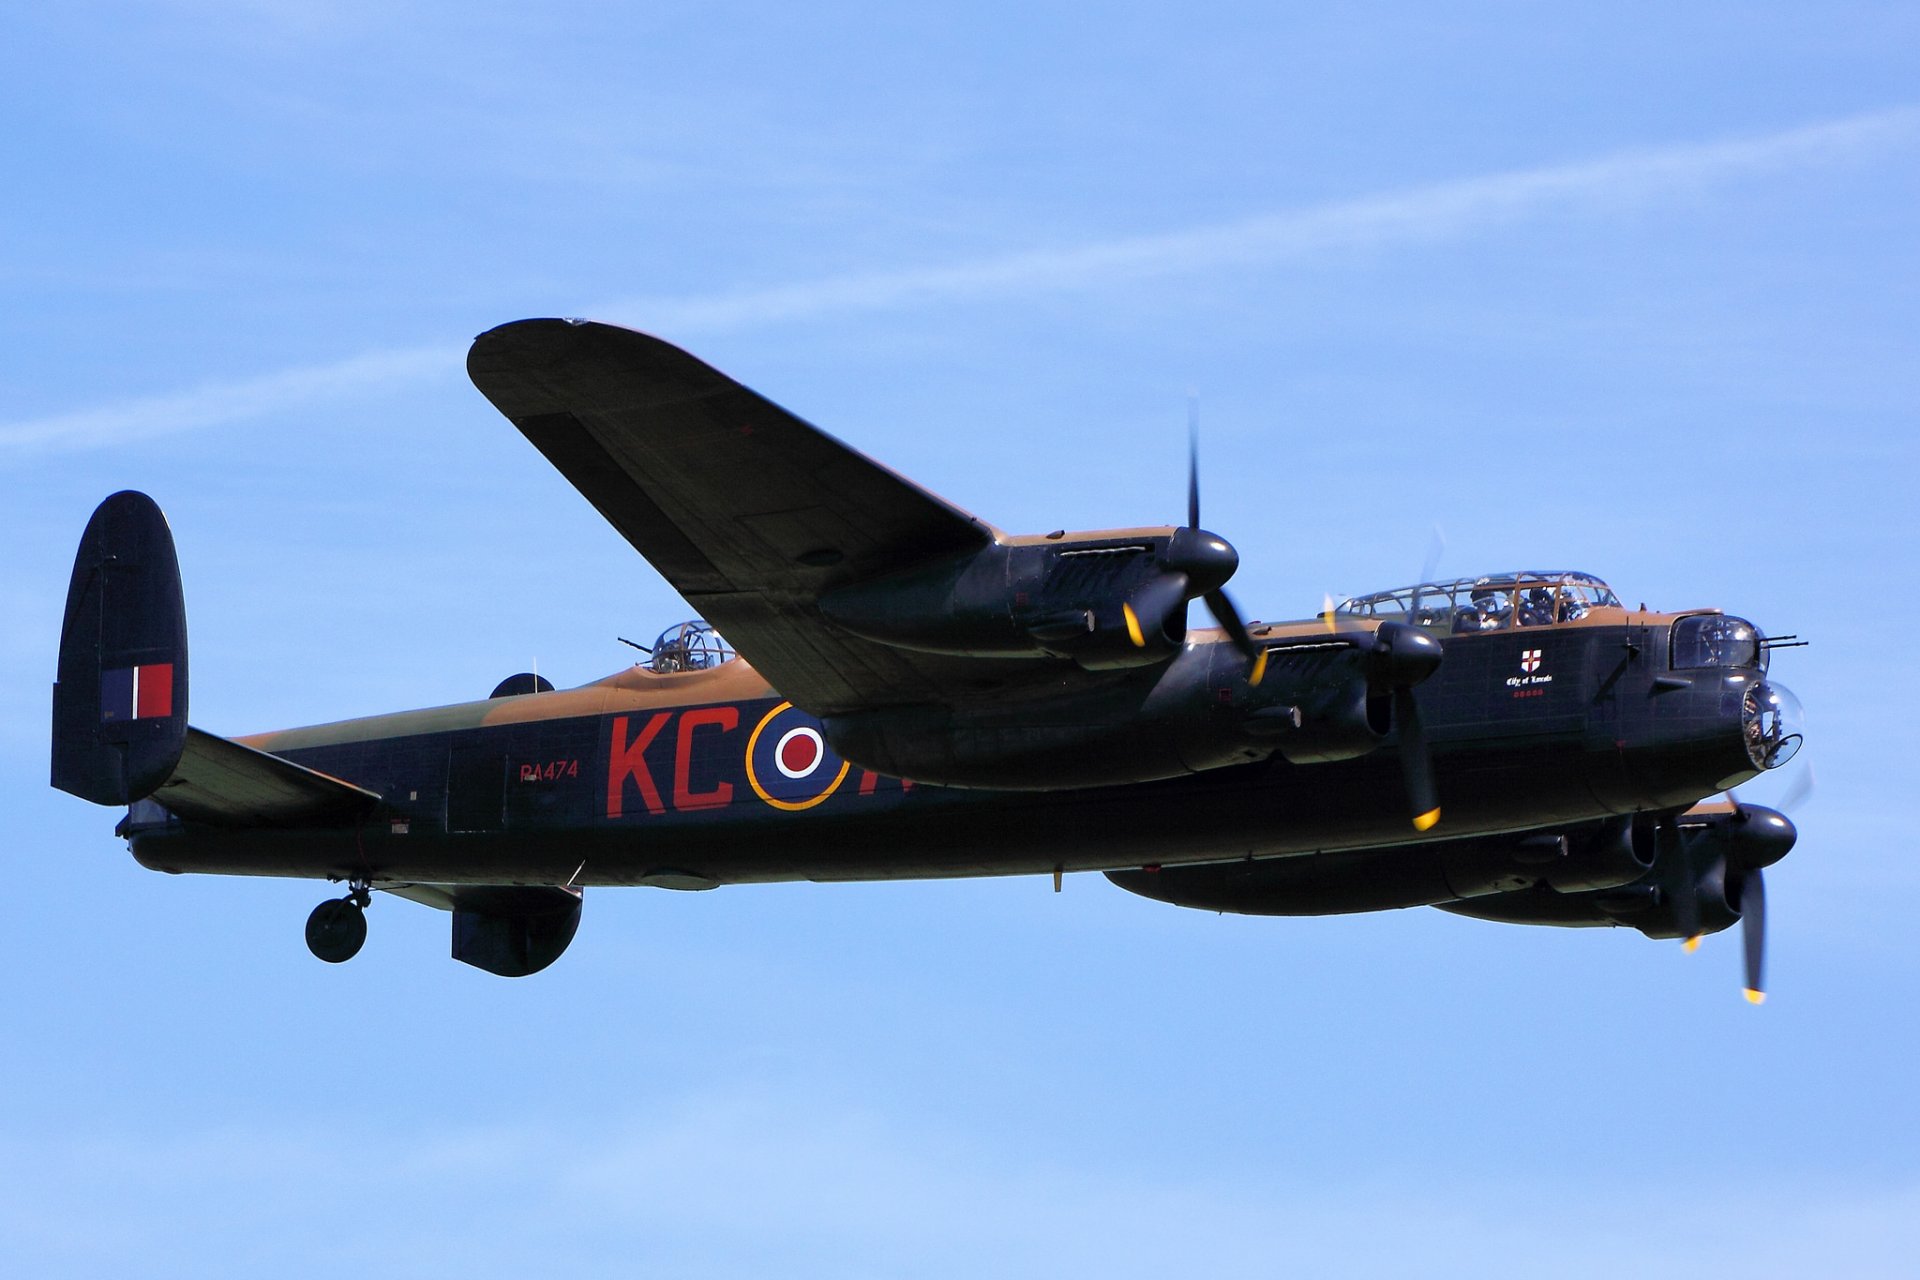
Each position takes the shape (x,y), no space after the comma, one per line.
(789,764)
(799,753)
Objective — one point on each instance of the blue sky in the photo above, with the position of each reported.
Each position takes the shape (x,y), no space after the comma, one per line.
(1630,291)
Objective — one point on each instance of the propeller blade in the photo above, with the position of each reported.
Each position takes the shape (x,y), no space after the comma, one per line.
(1206,561)
(1796,795)
(1679,880)
(1220,605)
(1153,605)
(1415,760)
(1435,548)
(1753,933)
(1799,792)
(1193,460)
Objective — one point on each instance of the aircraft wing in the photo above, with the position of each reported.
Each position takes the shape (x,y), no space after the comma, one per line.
(751,513)
(222,782)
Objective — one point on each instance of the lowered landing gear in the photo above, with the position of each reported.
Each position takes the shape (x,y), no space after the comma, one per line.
(338,926)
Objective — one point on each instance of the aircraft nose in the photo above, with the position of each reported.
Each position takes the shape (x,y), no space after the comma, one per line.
(1774,724)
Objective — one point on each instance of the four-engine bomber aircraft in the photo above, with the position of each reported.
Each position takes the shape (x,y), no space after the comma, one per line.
(917,694)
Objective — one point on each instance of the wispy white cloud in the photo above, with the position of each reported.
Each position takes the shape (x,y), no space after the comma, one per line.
(1439,211)
(212,405)
(1434,212)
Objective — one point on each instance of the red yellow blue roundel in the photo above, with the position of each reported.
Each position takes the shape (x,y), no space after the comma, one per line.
(789,764)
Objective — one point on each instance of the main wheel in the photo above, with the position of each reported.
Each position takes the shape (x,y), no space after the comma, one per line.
(336,929)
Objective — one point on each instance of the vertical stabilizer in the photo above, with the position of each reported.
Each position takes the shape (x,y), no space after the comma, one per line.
(120,701)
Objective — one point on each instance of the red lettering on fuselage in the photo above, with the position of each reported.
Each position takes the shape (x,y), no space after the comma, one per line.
(870,782)
(551,771)
(684,796)
(628,760)
(627,764)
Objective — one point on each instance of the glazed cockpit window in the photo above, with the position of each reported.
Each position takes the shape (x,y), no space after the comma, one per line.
(690,646)
(1491,602)
(1716,640)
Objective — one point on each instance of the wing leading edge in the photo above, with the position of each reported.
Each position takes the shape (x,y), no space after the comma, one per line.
(751,513)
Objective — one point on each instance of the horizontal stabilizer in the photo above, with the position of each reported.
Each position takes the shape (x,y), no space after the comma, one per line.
(221,782)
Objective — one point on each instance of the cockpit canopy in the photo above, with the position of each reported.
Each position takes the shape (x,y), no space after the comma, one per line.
(690,646)
(1491,602)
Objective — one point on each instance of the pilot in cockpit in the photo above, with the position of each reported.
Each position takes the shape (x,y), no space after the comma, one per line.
(1489,611)
(1537,609)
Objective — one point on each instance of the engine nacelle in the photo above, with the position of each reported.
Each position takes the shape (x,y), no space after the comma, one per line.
(1163,729)
(1708,862)
(1597,856)
(1381,879)
(1646,905)
(1321,700)
(1339,711)
(1340,722)
(1104,602)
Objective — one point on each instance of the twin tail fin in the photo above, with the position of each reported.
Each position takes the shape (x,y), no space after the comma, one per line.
(120,701)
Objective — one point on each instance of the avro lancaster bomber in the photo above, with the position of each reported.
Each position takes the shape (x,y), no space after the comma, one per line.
(905,691)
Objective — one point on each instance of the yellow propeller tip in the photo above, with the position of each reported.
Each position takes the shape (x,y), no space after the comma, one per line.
(1427,821)
(1692,944)
(1756,997)
(1133,626)
(1259,669)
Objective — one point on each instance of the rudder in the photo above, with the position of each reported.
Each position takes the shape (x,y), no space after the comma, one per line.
(120,697)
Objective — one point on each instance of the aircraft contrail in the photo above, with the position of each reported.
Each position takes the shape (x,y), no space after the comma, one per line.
(1433,212)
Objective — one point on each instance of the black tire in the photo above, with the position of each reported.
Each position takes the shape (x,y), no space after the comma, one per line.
(336,930)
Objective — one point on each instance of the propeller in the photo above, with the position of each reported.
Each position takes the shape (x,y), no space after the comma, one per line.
(1416,761)
(1403,656)
(1764,837)
(1682,885)
(1208,561)
(1770,835)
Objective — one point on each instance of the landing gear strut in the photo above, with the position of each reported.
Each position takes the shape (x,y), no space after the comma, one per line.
(338,926)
